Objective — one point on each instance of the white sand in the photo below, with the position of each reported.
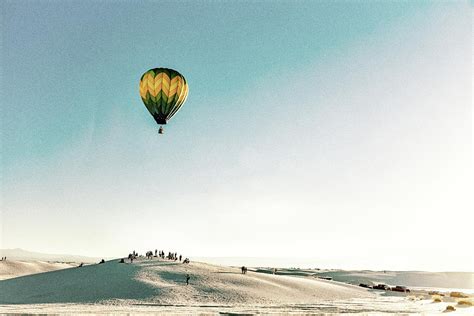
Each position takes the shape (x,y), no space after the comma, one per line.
(25,255)
(12,269)
(163,282)
(155,286)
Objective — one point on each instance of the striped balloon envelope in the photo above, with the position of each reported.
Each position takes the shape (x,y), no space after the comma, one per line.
(163,91)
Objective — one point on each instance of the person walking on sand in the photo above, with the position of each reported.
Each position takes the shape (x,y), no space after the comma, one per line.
(187,279)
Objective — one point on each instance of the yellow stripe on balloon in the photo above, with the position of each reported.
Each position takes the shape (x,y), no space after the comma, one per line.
(143,89)
(179,85)
(158,80)
(173,89)
(151,85)
(183,93)
(181,89)
(174,84)
(166,84)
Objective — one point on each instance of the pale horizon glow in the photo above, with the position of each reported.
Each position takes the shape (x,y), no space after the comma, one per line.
(354,151)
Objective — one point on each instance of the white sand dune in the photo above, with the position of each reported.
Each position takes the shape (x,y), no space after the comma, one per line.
(12,269)
(25,255)
(159,287)
(163,282)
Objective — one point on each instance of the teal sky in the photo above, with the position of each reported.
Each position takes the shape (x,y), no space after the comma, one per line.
(312,123)
(79,62)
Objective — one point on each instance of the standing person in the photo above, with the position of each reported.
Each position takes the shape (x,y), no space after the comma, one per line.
(187,279)
(180,256)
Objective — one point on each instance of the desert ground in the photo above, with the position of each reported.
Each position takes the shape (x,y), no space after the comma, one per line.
(13,269)
(159,286)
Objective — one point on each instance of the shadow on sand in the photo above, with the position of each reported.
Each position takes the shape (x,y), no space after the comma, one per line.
(77,285)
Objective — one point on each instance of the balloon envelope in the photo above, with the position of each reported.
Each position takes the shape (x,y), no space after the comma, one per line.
(163,91)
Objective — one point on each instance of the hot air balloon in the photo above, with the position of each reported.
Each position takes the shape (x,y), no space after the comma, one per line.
(163,91)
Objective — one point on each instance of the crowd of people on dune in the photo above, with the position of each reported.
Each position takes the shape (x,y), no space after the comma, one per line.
(172,256)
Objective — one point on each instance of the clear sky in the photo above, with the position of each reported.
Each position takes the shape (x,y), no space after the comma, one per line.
(339,131)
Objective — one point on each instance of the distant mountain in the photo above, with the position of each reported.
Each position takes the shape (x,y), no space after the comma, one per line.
(25,255)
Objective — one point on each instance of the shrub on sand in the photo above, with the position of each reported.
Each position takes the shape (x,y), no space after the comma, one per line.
(437,300)
(449,308)
(458,295)
(468,302)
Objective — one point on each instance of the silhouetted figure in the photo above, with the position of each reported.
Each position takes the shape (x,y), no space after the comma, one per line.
(122,260)
(156,253)
(180,256)
(81,265)
(187,279)
(102,261)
